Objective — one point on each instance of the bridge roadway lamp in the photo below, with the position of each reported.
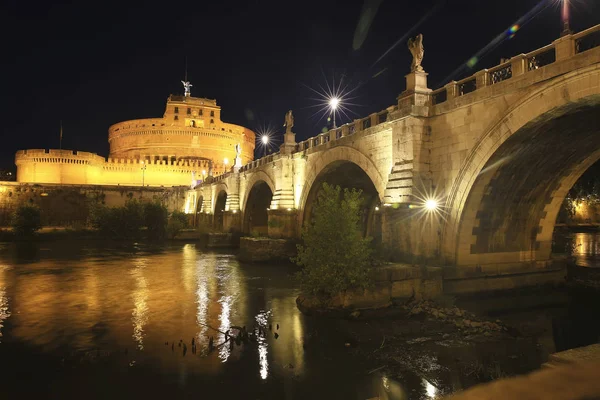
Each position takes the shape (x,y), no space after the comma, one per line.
(333,104)
(431,205)
(265,140)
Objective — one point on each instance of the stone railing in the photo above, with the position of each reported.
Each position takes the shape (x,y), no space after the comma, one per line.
(561,49)
(260,162)
(351,128)
(348,129)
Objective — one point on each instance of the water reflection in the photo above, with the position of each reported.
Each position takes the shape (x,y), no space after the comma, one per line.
(140,298)
(263,363)
(4,310)
(583,246)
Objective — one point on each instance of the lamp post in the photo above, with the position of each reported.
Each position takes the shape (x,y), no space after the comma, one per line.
(333,104)
(565,18)
(143,172)
(265,140)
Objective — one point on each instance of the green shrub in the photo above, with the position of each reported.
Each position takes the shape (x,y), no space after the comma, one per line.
(334,255)
(181,217)
(26,221)
(155,219)
(174,227)
(177,222)
(119,222)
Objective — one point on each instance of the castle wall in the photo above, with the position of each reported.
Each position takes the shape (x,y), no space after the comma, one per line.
(69,205)
(81,168)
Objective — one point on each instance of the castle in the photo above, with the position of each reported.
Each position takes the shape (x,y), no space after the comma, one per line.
(189,143)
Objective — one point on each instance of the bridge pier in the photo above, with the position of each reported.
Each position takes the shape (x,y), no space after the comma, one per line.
(411,234)
(232,221)
(282,224)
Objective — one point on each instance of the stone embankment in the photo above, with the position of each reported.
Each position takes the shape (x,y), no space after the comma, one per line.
(266,250)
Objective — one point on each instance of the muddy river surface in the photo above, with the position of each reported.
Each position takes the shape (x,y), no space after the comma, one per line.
(108,320)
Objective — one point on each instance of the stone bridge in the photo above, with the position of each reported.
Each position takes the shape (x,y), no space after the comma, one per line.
(497,152)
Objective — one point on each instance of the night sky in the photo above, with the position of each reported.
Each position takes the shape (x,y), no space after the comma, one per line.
(94,63)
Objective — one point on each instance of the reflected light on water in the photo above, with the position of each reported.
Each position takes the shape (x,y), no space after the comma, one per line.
(586,244)
(4,311)
(202,303)
(263,362)
(225,301)
(431,390)
(140,306)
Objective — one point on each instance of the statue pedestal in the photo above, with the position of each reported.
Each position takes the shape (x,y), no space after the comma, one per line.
(416,98)
(289,143)
(417,81)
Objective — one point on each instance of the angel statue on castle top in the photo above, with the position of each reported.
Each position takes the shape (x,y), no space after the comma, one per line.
(186,88)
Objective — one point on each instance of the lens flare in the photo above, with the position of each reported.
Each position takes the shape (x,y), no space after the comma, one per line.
(431,204)
(333,100)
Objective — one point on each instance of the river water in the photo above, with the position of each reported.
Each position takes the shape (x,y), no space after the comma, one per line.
(108,320)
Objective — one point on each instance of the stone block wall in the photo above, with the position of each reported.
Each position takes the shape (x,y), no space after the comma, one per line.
(69,205)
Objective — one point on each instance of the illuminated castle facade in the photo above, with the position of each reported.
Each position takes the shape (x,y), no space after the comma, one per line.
(188,143)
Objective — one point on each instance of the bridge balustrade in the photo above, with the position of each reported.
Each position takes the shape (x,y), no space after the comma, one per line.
(587,40)
(466,86)
(500,73)
(540,58)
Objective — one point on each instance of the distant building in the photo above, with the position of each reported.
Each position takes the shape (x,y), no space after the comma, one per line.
(188,143)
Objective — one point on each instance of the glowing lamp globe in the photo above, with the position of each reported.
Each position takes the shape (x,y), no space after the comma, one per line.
(431,205)
(333,103)
(265,139)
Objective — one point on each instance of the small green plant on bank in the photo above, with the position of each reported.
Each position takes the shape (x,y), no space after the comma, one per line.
(26,221)
(334,255)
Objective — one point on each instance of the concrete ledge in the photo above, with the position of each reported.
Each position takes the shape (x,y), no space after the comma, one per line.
(487,283)
(216,240)
(580,354)
(577,381)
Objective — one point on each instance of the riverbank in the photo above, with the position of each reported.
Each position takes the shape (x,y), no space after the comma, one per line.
(470,340)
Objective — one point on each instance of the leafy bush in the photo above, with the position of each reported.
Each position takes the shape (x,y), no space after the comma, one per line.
(181,217)
(177,222)
(155,219)
(26,220)
(119,222)
(334,254)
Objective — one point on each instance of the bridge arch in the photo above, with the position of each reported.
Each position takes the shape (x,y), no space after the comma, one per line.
(219,203)
(253,179)
(507,195)
(347,167)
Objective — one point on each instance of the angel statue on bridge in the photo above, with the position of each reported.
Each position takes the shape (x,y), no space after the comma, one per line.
(289,122)
(416,48)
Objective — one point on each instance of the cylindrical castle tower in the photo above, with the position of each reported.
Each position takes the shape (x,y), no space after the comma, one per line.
(191,129)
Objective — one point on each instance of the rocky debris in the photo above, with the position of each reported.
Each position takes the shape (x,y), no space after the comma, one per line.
(462,319)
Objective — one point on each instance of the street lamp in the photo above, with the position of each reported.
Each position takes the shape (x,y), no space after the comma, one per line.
(143,172)
(565,18)
(333,104)
(265,140)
